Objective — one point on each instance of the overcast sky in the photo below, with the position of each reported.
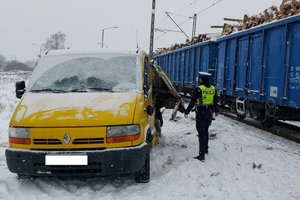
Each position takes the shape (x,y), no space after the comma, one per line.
(25,24)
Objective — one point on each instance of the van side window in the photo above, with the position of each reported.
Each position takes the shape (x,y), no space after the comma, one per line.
(146,75)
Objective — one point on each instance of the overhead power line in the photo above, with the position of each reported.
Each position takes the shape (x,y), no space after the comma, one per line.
(175,13)
(177,25)
(178,15)
(205,9)
(166,30)
(200,12)
(190,4)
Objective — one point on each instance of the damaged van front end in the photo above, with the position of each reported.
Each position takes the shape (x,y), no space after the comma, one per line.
(85,113)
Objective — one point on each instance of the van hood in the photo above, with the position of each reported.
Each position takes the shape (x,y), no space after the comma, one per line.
(75,109)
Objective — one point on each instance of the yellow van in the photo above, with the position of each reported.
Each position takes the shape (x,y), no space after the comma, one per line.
(89,113)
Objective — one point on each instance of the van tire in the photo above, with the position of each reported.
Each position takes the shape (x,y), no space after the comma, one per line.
(143,176)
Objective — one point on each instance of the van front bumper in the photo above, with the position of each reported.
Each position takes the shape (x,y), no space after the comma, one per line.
(100,162)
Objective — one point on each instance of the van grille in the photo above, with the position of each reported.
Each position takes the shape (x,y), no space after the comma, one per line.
(47,141)
(88,141)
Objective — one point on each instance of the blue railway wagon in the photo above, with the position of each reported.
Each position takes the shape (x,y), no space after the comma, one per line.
(259,71)
(182,65)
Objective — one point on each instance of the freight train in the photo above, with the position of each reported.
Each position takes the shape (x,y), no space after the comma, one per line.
(256,72)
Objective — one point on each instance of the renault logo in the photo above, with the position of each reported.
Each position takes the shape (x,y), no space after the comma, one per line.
(67,138)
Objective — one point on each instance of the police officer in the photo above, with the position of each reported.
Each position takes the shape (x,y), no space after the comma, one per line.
(205,99)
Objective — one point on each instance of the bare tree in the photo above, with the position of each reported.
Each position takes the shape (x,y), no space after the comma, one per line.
(55,41)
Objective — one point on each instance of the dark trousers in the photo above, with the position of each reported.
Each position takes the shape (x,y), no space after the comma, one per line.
(203,121)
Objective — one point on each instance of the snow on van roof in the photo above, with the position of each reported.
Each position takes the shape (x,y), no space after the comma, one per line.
(92,51)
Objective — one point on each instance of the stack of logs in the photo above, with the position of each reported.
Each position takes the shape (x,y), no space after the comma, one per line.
(194,40)
(286,9)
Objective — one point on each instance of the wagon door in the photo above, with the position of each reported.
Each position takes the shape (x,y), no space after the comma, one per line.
(230,66)
(294,67)
(221,67)
(275,69)
(255,68)
(191,77)
(242,64)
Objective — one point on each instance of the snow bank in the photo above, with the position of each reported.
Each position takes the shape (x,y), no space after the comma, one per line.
(243,163)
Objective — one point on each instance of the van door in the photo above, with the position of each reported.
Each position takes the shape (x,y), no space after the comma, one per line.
(149,104)
(164,94)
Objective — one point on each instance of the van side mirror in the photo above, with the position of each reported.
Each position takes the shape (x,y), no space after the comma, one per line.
(20,89)
(150,110)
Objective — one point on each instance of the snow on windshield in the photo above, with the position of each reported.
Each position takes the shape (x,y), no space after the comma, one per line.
(119,73)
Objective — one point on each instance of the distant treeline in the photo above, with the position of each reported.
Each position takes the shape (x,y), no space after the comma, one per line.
(14,65)
(55,41)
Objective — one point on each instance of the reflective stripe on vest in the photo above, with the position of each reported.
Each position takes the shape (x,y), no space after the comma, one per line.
(207,95)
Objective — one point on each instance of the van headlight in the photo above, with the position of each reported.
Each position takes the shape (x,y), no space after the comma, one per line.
(19,135)
(122,133)
(19,132)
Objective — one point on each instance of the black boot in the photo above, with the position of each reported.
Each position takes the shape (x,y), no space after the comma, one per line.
(200,157)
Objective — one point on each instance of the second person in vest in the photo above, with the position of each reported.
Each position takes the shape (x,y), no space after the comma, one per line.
(205,99)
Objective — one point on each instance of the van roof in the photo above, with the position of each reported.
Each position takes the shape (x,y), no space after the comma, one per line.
(92,51)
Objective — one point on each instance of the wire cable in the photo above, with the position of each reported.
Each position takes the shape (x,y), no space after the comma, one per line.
(190,4)
(205,9)
(200,12)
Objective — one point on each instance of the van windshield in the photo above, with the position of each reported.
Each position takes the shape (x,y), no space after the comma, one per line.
(86,74)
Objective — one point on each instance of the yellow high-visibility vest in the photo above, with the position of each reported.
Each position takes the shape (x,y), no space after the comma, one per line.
(207,95)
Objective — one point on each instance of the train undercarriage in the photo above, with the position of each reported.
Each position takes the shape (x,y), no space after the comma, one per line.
(265,112)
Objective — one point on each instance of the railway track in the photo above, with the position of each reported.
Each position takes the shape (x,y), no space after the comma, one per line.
(282,129)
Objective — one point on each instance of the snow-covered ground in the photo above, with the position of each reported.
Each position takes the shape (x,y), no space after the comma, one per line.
(243,163)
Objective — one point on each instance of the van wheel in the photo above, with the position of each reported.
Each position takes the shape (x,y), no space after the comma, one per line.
(143,176)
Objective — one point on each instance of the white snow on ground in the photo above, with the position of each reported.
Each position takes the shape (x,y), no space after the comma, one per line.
(243,163)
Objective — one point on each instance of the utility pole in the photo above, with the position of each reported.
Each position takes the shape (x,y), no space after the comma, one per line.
(102,39)
(152,30)
(137,40)
(194,25)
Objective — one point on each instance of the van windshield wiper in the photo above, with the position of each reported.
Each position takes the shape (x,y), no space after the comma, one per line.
(77,90)
(48,90)
(100,89)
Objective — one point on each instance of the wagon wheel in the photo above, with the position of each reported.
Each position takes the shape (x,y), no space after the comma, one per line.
(253,111)
(240,116)
(267,122)
(270,108)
